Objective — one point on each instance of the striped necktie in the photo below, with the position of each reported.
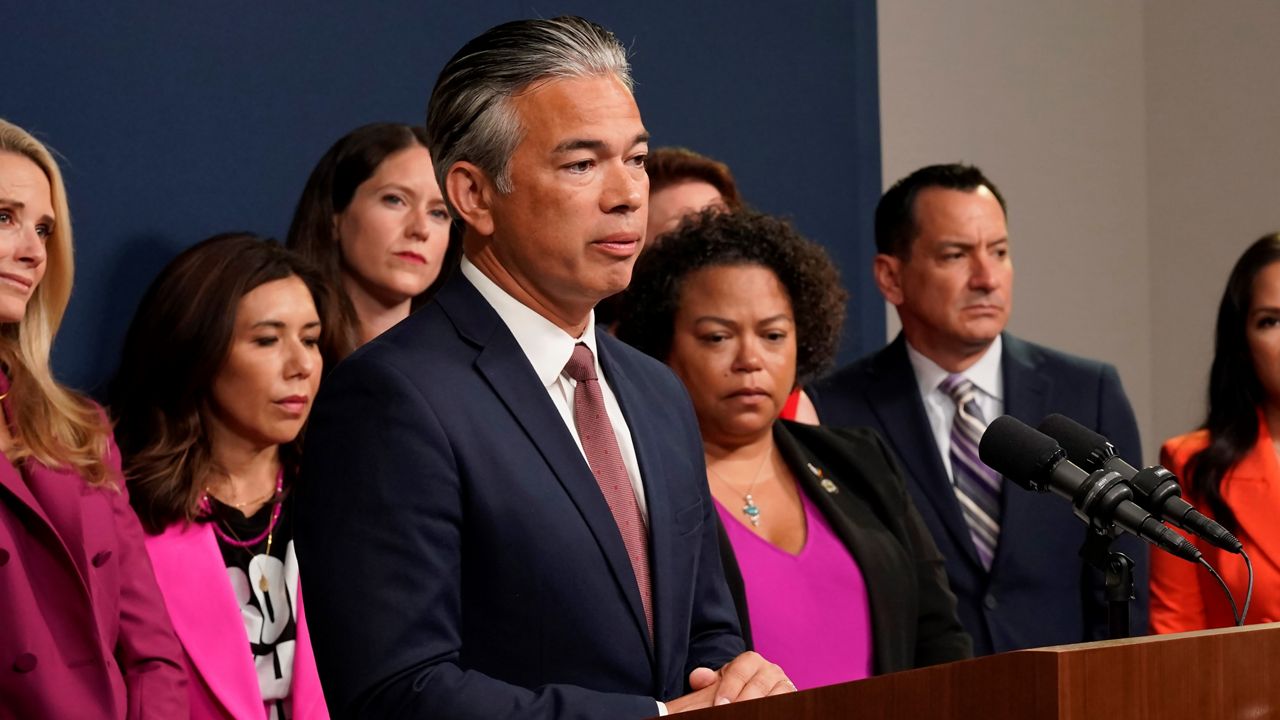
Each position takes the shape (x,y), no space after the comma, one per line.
(977,486)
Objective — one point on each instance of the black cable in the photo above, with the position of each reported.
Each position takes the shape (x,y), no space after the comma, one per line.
(1235,612)
(1248,596)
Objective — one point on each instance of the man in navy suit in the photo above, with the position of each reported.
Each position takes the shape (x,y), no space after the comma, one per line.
(503,512)
(1012,556)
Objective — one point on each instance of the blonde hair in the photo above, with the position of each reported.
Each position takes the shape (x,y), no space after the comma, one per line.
(50,423)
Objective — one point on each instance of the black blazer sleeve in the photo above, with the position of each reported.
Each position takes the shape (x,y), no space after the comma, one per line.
(939,635)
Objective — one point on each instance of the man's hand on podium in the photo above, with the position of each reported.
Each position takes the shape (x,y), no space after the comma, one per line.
(746,677)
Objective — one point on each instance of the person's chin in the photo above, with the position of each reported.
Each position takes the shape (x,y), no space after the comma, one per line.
(982,334)
(750,420)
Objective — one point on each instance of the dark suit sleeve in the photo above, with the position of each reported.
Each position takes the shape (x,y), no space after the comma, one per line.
(147,651)
(380,539)
(940,637)
(1117,423)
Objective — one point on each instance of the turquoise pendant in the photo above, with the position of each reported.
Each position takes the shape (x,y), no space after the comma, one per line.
(751,510)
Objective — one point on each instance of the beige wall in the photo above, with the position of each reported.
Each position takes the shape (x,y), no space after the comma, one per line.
(1048,99)
(1213,139)
(1137,147)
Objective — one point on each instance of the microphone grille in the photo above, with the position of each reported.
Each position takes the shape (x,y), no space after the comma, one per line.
(1017,451)
(1084,447)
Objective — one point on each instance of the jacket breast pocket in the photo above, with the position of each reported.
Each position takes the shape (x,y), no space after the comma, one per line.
(689,520)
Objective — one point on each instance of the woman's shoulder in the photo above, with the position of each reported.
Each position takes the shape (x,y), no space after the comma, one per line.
(849,439)
(1177,450)
(856,454)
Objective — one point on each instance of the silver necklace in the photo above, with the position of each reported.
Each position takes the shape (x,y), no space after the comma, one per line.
(749,508)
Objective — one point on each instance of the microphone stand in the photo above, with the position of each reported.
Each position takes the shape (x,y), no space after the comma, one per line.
(1118,569)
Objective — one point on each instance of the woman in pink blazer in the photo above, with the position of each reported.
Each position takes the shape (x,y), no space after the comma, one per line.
(83,631)
(218,373)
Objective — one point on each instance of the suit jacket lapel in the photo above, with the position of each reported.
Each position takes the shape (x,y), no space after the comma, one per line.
(57,507)
(895,400)
(59,494)
(307,695)
(206,617)
(503,364)
(1250,488)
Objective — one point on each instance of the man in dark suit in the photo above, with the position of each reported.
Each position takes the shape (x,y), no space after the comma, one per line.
(1012,556)
(503,512)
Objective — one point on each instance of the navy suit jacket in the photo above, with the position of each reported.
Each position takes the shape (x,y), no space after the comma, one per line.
(1039,591)
(459,558)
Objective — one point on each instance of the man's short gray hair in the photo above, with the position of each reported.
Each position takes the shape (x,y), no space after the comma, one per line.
(470,116)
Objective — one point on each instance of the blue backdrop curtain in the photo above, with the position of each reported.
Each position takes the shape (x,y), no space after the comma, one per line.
(175,121)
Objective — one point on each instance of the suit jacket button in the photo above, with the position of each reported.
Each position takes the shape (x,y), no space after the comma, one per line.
(989,602)
(101,558)
(26,662)
(4,556)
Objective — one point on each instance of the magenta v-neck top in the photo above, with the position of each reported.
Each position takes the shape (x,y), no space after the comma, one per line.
(808,612)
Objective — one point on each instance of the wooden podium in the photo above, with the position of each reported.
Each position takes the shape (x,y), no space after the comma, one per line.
(1232,673)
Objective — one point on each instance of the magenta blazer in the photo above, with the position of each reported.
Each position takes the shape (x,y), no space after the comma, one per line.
(83,630)
(193,580)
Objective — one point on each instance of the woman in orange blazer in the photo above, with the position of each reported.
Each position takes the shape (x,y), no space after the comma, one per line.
(1230,468)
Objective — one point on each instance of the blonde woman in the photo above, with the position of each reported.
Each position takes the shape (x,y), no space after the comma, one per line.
(85,633)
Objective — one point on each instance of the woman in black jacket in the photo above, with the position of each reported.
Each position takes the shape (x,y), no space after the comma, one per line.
(833,571)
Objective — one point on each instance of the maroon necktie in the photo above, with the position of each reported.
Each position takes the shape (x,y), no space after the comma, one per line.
(601,447)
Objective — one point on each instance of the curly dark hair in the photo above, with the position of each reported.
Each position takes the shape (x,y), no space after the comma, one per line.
(747,237)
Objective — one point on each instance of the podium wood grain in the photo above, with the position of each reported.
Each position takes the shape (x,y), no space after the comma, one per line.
(1231,673)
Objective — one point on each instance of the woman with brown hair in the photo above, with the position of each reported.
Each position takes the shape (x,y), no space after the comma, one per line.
(85,633)
(683,183)
(373,221)
(219,370)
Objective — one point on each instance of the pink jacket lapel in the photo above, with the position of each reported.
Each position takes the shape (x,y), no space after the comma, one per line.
(308,697)
(202,606)
(193,579)
(58,508)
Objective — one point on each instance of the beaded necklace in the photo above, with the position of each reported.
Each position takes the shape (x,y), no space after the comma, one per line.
(271,525)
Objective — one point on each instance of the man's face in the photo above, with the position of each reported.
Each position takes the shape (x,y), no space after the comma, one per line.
(955,290)
(570,229)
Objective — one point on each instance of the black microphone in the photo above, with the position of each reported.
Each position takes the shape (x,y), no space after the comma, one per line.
(1157,488)
(1036,462)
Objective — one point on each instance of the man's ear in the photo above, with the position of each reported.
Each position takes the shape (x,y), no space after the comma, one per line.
(471,193)
(888,273)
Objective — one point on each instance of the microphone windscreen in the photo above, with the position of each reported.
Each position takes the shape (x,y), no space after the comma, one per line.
(1017,451)
(1079,441)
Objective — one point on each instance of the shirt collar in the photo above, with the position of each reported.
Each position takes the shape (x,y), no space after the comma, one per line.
(547,346)
(984,374)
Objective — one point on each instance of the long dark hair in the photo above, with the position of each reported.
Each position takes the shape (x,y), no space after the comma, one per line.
(329,191)
(175,346)
(1235,392)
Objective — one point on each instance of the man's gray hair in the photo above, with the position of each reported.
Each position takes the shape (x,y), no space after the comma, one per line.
(470,116)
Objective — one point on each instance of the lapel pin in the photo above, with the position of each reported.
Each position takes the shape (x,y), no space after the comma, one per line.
(826,483)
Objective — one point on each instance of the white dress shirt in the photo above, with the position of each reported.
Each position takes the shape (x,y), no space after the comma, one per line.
(548,349)
(941,409)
